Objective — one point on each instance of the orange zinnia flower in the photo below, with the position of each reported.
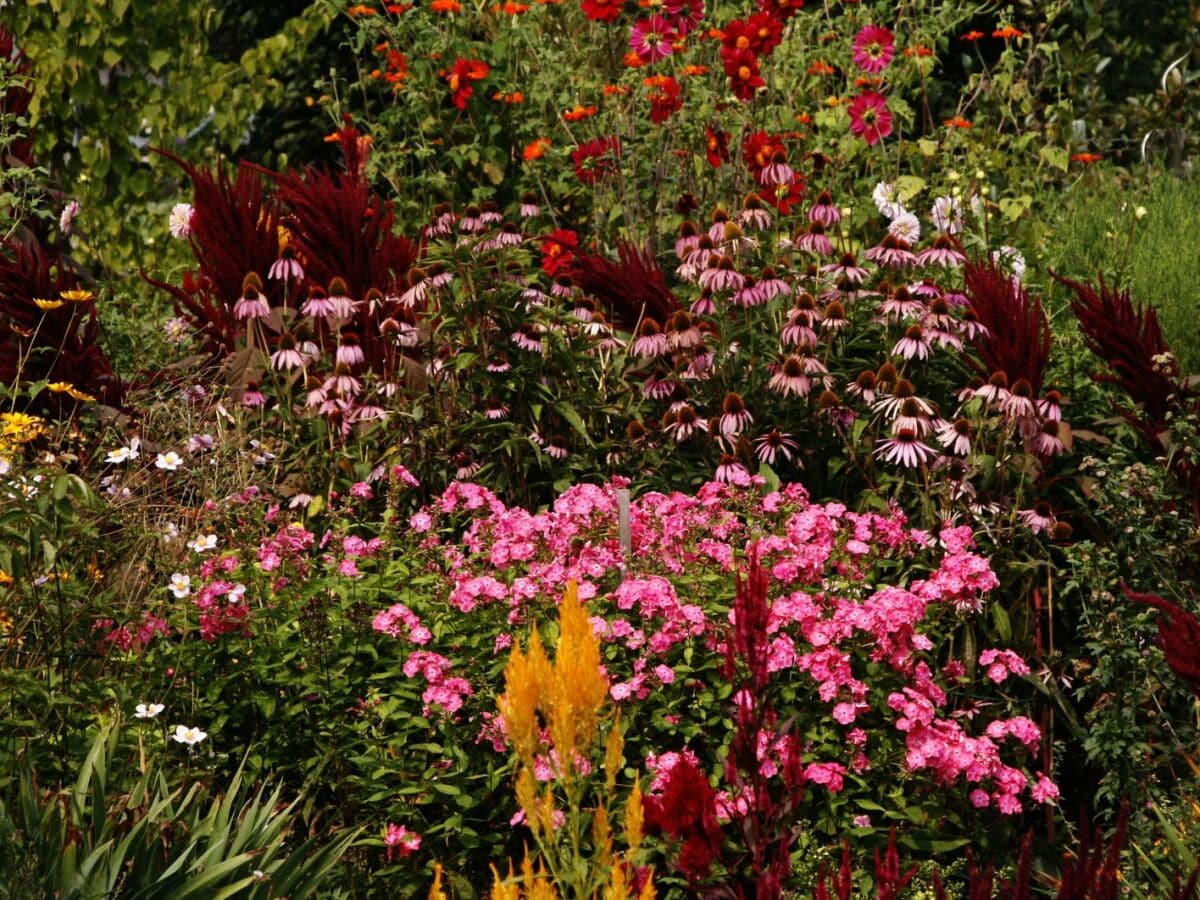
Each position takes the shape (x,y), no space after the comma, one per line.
(446,6)
(511,8)
(694,70)
(972,35)
(633,61)
(820,67)
(398,8)
(579,112)
(957,122)
(1008,32)
(919,50)
(1087,158)
(615,89)
(536,149)
(361,9)
(509,96)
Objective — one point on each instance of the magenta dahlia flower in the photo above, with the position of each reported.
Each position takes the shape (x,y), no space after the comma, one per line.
(874,48)
(870,117)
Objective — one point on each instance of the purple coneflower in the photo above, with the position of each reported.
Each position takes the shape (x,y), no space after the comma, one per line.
(685,422)
(496,411)
(318,305)
(969,324)
(956,436)
(995,390)
(529,206)
(418,287)
(891,406)
(687,241)
(650,342)
(348,351)
(683,333)
(799,328)
(914,344)
(527,337)
(658,386)
(730,471)
(251,305)
(499,364)
(834,318)
(287,267)
(1019,404)
(340,300)
(846,268)
(824,210)
(901,305)
(863,386)
(1049,440)
(1050,406)
(772,286)
(472,220)
(911,417)
(286,357)
(734,416)
(773,444)
(556,447)
(777,171)
(342,382)
(562,285)
(905,448)
(791,379)
(720,275)
(892,252)
(754,214)
(703,305)
(942,253)
(1038,519)
(814,240)
(491,213)
(252,397)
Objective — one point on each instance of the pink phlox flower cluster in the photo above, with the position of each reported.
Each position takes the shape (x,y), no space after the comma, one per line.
(660,765)
(470,591)
(126,638)
(830,775)
(447,692)
(399,838)
(356,547)
(961,580)
(1002,663)
(399,621)
(289,544)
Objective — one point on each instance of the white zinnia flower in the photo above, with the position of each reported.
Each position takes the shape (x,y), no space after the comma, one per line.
(887,199)
(181,585)
(906,227)
(148,710)
(947,215)
(186,734)
(169,461)
(180,221)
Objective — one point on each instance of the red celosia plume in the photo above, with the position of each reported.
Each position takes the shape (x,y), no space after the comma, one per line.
(1017,340)
(1178,636)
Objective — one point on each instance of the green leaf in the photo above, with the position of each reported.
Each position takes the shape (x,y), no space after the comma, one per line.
(1058,157)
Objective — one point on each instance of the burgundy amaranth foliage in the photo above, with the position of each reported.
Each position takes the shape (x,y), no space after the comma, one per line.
(1178,637)
(234,231)
(341,228)
(1017,337)
(1093,871)
(1128,338)
(630,287)
(828,620)
(49,344)
(890,879)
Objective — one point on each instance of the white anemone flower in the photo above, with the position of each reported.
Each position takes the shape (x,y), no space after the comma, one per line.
(186,734)
(148,710)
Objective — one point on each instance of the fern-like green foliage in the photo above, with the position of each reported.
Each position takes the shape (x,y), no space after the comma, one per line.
(119,832)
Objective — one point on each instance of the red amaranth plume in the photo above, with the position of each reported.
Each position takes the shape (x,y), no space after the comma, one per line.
(1017,340)
(630,287)
(1127,337)
(1178,636)
(340,227)
(889,880)
(843,882)
(750,641)
(1093,871)
(687,810)
(235,231)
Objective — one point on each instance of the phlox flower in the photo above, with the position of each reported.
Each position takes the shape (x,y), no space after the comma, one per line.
(67,220)
(400,839)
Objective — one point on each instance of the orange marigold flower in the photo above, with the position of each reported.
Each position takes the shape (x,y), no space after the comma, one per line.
(973,35)
(617,90)
(578,112)
(361,9)
(694,70)
(863,81)
(536,149)
(804,118)
(1087,158)
(918,50)
(716,34)
(957,122)
(633,61)
(512,8)
(397,9)
(509,96)
(657,81)
(820,67)
(1008,32)
(446,6)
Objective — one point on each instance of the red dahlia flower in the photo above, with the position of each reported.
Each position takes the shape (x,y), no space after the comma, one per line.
(602,10)
(874,48)
(664,99)
(716,146)
(557,250)
(460,77)
(744,75)
(596,159)
(651,38)
(870,118)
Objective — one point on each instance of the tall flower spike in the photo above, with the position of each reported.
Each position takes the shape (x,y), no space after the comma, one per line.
(579,687)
